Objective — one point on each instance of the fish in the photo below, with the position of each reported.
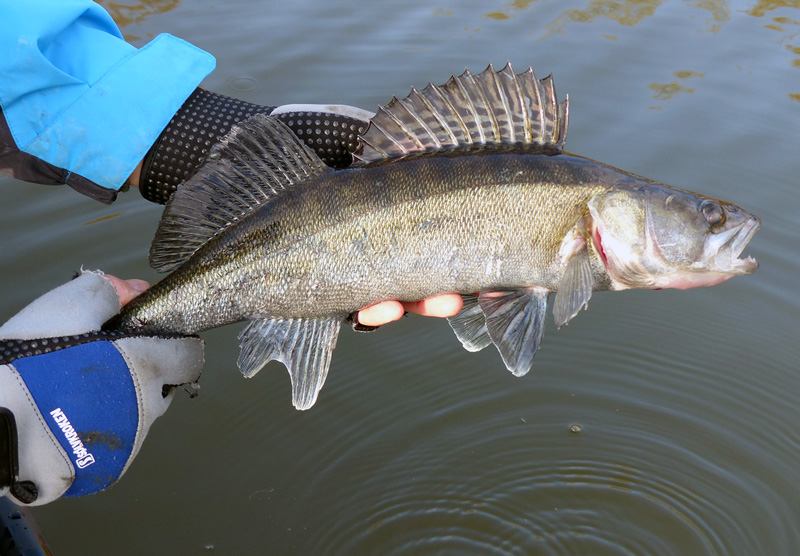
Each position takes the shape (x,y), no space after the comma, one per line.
(462,187)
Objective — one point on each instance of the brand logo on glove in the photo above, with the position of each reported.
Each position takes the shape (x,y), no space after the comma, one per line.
(82,456)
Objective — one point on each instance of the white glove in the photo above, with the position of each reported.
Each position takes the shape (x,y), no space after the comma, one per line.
(81,403)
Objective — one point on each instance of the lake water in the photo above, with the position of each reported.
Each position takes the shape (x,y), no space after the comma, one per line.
(656,423)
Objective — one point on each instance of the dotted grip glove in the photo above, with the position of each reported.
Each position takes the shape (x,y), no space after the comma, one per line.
(331,130)
(76,405)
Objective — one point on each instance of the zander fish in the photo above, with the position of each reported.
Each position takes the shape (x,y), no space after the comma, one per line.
(462,187)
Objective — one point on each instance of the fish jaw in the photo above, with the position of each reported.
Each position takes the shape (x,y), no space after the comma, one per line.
(684,280)
(726,250)
(723,250)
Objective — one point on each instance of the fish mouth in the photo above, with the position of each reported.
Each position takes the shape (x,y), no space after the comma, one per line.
(725,248)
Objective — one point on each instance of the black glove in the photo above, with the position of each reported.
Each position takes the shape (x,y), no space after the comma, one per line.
(330,130)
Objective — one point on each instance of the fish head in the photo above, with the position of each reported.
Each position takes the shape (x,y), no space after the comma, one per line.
(655,236)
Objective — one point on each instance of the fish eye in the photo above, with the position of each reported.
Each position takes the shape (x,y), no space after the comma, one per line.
(713,213)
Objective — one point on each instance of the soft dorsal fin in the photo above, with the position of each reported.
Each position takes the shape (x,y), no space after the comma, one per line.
(253,163)
(489,108)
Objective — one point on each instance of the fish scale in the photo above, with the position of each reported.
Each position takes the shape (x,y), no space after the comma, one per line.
(362,244)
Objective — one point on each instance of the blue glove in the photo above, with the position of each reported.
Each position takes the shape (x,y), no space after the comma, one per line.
(78,104)
(82,403)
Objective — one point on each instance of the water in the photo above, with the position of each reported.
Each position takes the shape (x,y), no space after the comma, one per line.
(657,423)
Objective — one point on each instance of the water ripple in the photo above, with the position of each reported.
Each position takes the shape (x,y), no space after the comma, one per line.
(539,489)
(645,451)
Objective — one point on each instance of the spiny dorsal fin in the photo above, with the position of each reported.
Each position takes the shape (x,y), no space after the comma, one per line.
(253,163)
(489,108)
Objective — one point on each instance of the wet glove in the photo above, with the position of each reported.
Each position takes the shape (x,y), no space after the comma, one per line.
(75,406)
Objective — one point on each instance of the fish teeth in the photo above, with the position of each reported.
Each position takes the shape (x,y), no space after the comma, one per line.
(742,238)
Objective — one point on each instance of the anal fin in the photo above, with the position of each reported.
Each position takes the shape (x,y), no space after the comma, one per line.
(515,323)
(303,345)
(470,325)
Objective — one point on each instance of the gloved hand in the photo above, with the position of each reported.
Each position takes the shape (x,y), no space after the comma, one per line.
(82,403)
(78,106)
(331,130)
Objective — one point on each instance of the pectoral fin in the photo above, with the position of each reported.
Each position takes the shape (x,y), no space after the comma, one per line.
(470,325)
(575,287)
(515,323)
(303,345)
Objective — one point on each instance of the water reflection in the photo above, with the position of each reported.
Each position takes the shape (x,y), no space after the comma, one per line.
(537,489)
(788,27)
(633,12)
(133,13)
(764,6)
(625,13)
(666,91)
(515,6)
(720,12)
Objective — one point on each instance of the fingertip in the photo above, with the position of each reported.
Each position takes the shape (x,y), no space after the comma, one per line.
(127,290)
(381,313)
(448,305)
(140,286)
(444,305)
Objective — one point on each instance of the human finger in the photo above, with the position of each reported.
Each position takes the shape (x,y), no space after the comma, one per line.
(381,313)
(442,305)
(127,290)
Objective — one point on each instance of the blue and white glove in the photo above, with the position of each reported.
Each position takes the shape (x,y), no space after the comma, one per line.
(81,403)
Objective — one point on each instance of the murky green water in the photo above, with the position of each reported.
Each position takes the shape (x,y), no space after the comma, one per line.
(655,423)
